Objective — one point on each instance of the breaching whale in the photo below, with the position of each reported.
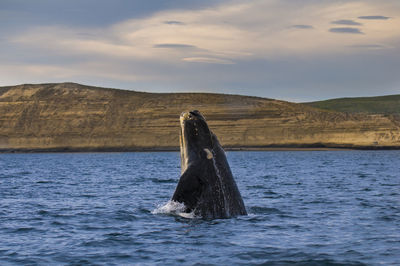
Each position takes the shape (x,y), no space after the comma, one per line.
(206,186)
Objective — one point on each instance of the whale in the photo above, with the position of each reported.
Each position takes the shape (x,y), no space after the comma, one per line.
(206,186)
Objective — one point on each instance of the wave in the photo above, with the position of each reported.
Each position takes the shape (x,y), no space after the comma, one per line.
(264,210)
(170,180)
(174,208)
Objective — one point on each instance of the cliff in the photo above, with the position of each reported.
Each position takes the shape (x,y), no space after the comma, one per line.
(70,116)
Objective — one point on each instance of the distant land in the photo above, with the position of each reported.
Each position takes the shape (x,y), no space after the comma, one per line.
(74,117)
(389,104)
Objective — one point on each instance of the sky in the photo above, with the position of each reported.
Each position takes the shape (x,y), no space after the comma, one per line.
(303,50)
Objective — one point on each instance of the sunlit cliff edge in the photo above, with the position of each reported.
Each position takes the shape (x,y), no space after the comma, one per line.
(74,117)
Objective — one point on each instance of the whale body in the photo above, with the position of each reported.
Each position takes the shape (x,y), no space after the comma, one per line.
(206,186)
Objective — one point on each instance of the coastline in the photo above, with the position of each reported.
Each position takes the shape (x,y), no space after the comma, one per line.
(305,147)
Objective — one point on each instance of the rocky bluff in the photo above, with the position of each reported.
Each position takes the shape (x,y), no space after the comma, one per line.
(69,116)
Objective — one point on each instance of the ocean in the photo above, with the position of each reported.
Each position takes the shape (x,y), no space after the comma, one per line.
(305,208)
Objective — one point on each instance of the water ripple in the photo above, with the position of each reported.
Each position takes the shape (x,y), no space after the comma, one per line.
(305,208)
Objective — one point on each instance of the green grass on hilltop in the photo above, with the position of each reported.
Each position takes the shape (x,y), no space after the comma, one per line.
(374,105)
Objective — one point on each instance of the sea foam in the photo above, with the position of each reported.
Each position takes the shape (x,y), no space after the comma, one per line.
(173,208)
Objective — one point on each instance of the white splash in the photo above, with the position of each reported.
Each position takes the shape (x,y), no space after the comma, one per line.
(174,208)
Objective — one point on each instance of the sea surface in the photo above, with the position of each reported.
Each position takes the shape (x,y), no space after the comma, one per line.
(305,208)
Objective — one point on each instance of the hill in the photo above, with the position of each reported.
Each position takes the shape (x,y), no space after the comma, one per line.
(69,116)
(374,105)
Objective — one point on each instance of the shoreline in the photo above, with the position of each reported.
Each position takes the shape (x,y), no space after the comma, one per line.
(176,149)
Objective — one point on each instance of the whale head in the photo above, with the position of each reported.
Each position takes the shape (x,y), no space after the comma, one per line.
(195,138)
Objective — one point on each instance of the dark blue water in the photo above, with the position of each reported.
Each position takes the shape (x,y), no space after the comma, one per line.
(305,208)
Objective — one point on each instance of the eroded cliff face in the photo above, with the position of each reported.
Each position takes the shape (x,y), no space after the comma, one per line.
(73,116)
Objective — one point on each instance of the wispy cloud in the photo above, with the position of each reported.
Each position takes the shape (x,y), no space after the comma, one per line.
(374,17)
(346,30)
(300,26)
(368,46)
(208,60)
(174,22)
(346,22)
(174,46)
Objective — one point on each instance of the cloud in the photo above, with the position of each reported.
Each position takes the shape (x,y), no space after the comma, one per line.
(300,26)
(174,46)
(173,22)
(346,22)
(259,45)
(346,30)
(374,17)
(85,34)
(368,46)
(231,31)
(208,60)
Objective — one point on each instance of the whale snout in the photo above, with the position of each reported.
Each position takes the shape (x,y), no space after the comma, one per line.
(191,115)
(184,115)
